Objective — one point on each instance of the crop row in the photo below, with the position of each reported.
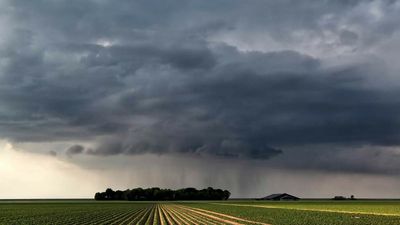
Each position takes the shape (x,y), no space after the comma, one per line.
(175,214)
(69,214)
(119,214)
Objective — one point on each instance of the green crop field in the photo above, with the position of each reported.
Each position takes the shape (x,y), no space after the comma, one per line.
(218,212)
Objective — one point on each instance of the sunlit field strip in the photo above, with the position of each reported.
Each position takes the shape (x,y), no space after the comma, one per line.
(220,219)
(220,216)
(177,217)
(161,216)
(189,219)
(178,220)
(166,216)
(182,216)
(198,218)
(207,219)
(171,218)
(312,209)
(225,221)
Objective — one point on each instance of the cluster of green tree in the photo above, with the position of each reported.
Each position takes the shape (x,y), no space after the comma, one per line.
(158,194)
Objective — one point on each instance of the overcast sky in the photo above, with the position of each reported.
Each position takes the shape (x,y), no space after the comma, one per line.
(255,96)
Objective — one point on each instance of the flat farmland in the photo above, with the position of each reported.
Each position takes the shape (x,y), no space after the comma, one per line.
(216,212)
(311,212)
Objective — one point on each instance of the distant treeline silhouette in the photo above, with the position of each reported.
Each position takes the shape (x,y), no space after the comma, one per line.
(158,194)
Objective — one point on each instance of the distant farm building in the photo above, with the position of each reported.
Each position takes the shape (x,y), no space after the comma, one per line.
(339,198)
(343,198)
(280,197)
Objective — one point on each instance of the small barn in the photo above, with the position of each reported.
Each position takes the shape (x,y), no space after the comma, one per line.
(280,197)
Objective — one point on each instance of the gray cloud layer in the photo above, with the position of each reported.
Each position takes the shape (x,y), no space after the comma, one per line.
(138,77)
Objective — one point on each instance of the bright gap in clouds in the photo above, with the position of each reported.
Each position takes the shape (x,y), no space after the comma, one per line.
(27,175)
(104,43)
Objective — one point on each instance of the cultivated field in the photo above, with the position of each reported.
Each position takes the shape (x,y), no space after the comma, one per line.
(220,212)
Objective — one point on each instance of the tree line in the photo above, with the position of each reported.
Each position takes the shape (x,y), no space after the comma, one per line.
(158,194)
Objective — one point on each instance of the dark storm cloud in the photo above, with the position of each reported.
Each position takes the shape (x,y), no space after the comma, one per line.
(365,159)
(138,77)
(74,150)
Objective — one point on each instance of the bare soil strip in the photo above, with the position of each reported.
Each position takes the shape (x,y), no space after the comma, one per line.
(167,216)
(315,210)
(163,219)
(174,217)
(161,216)
(212,217)
(180,216)
(181,219)
(172,214)
(183,216)
(215,214)
(198,218)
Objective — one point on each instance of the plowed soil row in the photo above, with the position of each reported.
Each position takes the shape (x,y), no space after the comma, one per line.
(175,214)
